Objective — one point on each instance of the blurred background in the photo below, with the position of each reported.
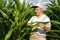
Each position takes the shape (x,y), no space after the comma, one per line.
(14,15)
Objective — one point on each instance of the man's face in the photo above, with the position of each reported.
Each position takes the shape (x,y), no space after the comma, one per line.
(38,11)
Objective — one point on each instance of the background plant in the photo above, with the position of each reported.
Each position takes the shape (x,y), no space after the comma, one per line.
(53,12)
(14,16)
(13,19)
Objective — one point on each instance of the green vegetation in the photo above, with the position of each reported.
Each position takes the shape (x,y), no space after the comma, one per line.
(53,12)
(13,19)
(36,24)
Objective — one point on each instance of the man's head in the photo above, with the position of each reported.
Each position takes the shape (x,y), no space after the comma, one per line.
(38,8)
(38,11)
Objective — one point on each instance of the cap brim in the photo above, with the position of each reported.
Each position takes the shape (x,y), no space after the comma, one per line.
(34,6)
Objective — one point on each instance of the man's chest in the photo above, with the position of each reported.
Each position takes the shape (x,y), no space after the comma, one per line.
(41,19)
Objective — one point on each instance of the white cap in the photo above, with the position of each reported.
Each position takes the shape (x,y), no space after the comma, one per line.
(41,5)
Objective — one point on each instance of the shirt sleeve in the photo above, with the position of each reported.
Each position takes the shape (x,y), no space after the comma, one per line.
(30,20)
(49,22)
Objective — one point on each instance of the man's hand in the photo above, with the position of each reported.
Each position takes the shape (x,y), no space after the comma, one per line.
(42,25)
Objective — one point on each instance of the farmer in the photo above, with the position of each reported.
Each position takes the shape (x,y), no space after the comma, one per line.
(40,32)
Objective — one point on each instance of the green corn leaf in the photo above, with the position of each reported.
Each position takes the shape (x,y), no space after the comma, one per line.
(4,14)
(36,24)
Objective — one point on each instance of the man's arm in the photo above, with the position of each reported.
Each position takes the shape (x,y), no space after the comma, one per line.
(28,24)
(44,27)
(47,28)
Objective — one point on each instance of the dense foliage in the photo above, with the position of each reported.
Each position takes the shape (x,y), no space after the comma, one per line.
(13,19)
(14,16)
(53,12)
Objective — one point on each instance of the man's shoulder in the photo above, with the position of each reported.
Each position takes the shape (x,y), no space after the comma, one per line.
(46,17)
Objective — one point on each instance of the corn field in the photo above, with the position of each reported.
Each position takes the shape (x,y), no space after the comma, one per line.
(14,18)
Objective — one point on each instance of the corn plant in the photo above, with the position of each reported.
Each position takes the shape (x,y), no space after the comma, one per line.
(53,12)
(15,17)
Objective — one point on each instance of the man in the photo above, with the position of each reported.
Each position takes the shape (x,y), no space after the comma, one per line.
(40,32)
